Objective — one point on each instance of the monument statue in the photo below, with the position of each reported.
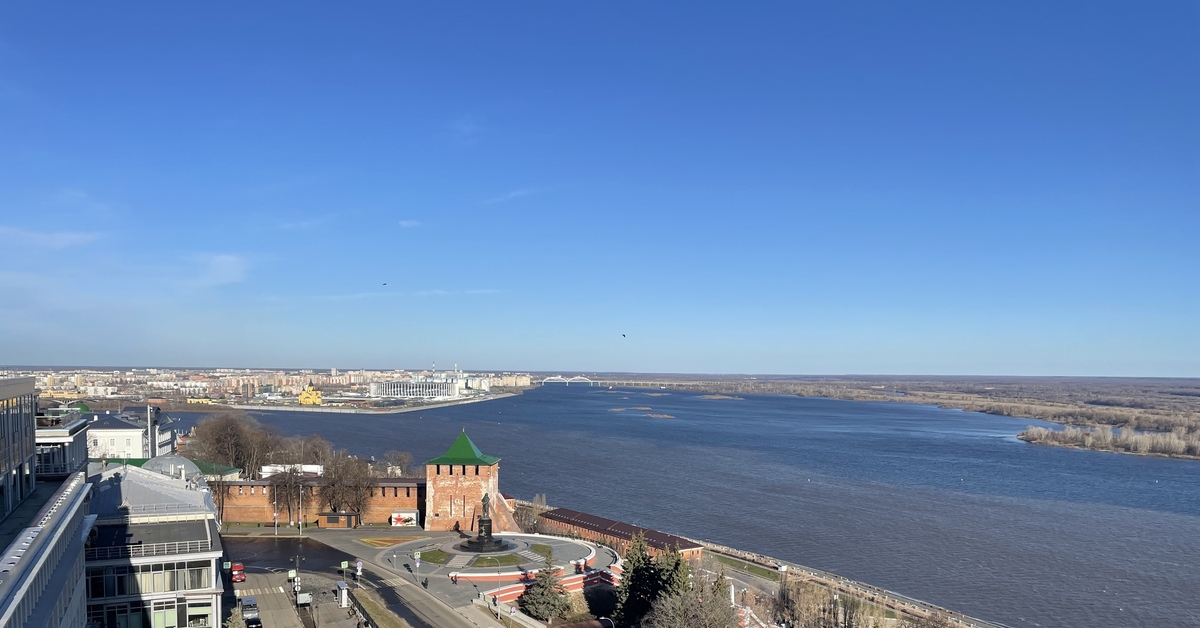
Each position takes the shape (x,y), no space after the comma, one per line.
(485,542)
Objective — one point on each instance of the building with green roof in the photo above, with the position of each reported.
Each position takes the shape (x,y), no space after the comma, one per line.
(464,451)
(455,484)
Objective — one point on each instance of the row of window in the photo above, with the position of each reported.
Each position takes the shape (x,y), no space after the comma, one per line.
(382,490)
(122,580)
(450,469)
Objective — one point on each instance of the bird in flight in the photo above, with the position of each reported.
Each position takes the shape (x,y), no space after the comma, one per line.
(622,335)
(385,283)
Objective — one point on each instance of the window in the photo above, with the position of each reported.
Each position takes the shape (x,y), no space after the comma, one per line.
(476,469)
(264,491)
(112,441)
(252,490)
(395,491)
(128,442)
(408,491)
(240,489)
(439,470)
(95,442)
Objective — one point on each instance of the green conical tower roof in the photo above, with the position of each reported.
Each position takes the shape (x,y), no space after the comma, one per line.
(463,451)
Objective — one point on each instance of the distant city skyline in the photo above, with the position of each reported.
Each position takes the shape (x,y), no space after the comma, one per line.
(935,189)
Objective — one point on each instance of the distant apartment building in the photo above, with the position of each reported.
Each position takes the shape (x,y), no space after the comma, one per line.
(154,556)
(43,526)
(131,433)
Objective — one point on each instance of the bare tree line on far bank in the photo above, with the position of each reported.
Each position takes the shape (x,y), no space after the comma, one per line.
(1178,443)
(1152,416)
(236,440)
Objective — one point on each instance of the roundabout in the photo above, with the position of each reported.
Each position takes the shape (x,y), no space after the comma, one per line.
(522,556)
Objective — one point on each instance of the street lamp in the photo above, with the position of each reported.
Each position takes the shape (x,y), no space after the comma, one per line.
(296,583)
(496,597)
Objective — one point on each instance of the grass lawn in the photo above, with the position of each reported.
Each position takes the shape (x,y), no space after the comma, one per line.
(503,560)
(435,556)
(750,568)
(541,548)
(374,607)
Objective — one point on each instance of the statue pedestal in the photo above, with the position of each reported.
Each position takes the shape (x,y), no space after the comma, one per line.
(484,542)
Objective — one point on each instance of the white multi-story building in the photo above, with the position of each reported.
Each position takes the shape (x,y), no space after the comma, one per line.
(154,557)
(130,433)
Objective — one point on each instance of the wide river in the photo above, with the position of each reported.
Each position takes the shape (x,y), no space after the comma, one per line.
(942,505)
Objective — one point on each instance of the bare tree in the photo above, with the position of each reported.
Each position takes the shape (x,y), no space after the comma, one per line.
(286,486)
(398,463)
(347,483)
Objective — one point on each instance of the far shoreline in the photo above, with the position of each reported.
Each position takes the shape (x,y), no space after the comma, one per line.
(345,410)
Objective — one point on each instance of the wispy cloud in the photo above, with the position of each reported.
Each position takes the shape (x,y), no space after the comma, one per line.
(220,270)
(450,293)
(80,201)
(515,194)
(401,293)
(308,223)
(46,239)
(409,224)
(464,131)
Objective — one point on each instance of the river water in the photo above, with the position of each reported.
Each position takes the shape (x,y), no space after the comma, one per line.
(941,505)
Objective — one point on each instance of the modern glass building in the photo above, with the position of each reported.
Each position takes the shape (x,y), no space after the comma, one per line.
(44,525)
(18,423)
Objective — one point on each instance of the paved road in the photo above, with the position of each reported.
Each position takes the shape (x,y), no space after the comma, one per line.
(274,605)
(274,555)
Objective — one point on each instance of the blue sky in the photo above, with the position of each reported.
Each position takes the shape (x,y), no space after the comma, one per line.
(909,188)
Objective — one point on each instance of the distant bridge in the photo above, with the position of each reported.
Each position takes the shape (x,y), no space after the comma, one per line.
(559,379)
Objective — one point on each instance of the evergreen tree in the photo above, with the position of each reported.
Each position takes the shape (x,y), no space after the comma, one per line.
(546,599)
(673,572)
(706,606)
(640,583)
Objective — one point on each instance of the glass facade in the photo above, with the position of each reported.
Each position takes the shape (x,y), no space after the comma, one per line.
(18,420)
(126,580)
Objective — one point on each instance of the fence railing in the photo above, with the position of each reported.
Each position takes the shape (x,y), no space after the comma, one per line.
(148,549)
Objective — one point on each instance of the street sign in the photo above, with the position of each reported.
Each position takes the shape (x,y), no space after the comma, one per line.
(291,574)
(418,563)
(512,610)
(359,566)
(297,580)
(296,588)
(226,565)
(345,564)
(417,555)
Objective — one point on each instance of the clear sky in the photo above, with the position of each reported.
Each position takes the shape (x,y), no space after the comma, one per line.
(792,187)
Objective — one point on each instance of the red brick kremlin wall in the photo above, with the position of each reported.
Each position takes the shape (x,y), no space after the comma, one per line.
(251,501)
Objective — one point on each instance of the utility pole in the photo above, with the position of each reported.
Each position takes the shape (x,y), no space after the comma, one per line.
(301,513)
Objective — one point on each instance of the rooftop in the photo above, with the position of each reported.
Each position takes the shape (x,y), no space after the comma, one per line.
(620,530)
(463,451)
(123,492)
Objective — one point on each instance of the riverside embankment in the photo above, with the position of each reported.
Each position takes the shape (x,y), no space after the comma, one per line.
(942,505)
